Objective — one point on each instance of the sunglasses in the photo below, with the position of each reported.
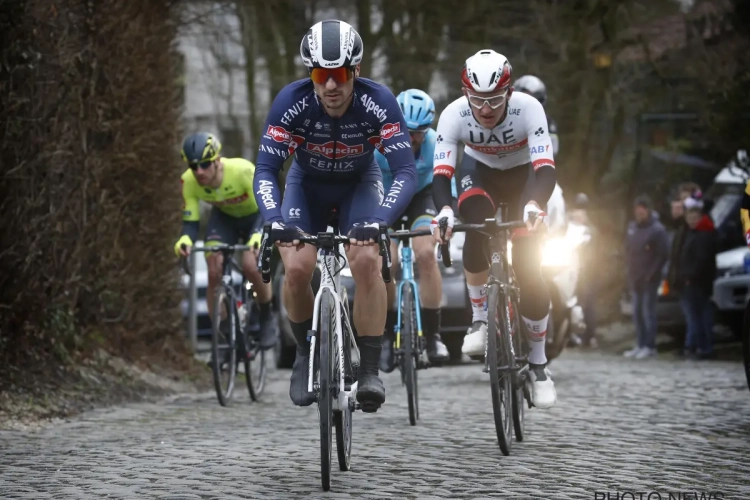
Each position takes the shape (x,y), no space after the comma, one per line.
(339,75)
(493,102)
(203,166)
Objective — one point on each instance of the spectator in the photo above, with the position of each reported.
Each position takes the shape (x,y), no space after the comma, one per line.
(684,191)
(697,270)
(647,250)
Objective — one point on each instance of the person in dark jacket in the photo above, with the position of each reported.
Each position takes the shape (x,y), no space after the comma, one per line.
(684,191)
(647,251)
(697,271)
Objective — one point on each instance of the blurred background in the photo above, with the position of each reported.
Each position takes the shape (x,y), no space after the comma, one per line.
(96,96)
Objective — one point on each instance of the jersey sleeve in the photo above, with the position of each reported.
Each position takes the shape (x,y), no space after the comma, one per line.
(398,153)
(274,149)
(190,202)
(385,170)
(541,152)
(444,159)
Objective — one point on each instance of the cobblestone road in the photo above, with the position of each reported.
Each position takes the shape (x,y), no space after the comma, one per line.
(628,427)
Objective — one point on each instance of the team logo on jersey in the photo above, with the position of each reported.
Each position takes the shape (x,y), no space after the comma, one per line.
(377,141)
(295,142)
(278,134)
(341,151)
(539,132)
(389,130)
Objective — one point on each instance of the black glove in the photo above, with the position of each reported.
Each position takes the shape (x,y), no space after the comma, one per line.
(283,233)
(366,231)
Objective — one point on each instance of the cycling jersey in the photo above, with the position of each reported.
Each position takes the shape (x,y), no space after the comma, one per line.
(423,158)
(335,150)
(521,138)
(234,197)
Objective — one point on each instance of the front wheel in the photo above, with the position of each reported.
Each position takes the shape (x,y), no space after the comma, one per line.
(408,340)
(519,352)
(255,364)
(499,361)
(223,345)
(325,394)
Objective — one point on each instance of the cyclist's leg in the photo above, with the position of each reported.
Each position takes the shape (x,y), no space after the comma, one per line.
(220,229)
(246,227)
(475,205)
(534,305)
(421,211)
(370,298)
(299,265)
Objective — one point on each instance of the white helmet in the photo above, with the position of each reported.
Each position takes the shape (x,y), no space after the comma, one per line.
(331,44)
(486,71)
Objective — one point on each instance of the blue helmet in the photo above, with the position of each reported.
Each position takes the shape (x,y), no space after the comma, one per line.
(418,108)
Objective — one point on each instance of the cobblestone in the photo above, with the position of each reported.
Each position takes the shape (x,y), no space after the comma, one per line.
(622,426)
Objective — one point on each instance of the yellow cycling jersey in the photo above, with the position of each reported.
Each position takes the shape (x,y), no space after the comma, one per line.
(745,211)
(234,197)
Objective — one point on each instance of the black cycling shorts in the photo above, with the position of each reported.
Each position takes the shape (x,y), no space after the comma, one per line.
(511,186)
(224,228)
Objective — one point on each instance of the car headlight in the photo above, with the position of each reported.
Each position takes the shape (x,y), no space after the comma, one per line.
(557,252)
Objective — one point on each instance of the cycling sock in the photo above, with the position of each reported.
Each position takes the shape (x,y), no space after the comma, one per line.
(391,317)
(300,333)
(430,322)
(536,333)
(478,297)
(369,354)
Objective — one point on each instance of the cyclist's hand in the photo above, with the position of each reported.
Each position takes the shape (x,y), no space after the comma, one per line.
(364,235)
(184,240)
(285,236)
(539,220)
(255,240)
(447,214)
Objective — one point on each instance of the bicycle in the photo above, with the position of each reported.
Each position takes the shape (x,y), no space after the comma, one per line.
(505,332)
(332,372)
(238,337)
(409,345)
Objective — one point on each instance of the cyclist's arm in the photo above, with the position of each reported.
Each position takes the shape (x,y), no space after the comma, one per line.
(444,160)
(272,152)
(745,212)
(541,152)
(397,151)
(385,170)
(190,209)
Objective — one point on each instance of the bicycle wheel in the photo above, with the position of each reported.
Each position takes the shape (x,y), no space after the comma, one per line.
(498,340)
(325,393)
(255,363)
(342,419)
(519,348)
(223,346)
(408,344)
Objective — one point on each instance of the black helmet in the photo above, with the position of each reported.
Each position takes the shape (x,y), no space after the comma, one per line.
(530,84)
(331,44)
(200,148)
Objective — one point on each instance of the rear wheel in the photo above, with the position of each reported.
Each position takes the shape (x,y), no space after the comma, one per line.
(223,345)
(325,394)
(498,356)
(255,366)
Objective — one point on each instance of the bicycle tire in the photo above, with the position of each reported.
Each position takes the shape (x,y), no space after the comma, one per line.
(254,357)
(325,397)
(502,386)
(222,300)
(519,345)
(408,335)
(342,419)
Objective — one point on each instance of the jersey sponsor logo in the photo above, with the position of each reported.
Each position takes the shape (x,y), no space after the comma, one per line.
(349,125)
(466,182)
(278,134)
(445,170)
(499,149)
(376,141)
(464,113)
(545,162)
(396,146)
(389,130)
(539,132)
(393,193)
(295,142)
(514,111)
(372,107)
(352,136)
(332,166)
(342,150)
(539,149)
(273,151)
(294,213)
(442,155)
(265,191)
(293,111)
(229,201)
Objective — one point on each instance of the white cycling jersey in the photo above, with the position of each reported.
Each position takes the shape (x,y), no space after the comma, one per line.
(522,137)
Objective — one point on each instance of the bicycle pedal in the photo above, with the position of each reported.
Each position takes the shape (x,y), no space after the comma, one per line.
(369,406)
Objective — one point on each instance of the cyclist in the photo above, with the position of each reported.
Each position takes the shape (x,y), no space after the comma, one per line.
(534,86)
(332,122)
(507,158)
(419,112)
(225,183)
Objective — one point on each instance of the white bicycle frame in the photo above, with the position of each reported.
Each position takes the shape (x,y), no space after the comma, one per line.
(329,285)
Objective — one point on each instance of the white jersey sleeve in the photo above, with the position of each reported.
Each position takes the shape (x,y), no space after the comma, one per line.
(540,143)
(446,143)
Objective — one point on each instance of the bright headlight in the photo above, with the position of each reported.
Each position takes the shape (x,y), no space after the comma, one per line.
(557,252)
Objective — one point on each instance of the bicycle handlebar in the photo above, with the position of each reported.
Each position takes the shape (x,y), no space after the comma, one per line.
(445,252)
(222,247)
(489,225)
(326,240)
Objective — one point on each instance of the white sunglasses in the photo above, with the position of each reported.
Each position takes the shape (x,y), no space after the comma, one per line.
(493,102)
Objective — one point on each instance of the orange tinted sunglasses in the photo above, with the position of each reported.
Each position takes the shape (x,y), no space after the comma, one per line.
(339,75)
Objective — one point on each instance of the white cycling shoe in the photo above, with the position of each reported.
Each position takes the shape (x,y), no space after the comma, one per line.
(543,393)
(475,339)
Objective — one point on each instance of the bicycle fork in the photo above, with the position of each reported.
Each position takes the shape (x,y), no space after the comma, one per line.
(422,363)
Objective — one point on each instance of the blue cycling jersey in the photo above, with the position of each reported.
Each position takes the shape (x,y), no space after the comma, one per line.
(424,159)
(335,149)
